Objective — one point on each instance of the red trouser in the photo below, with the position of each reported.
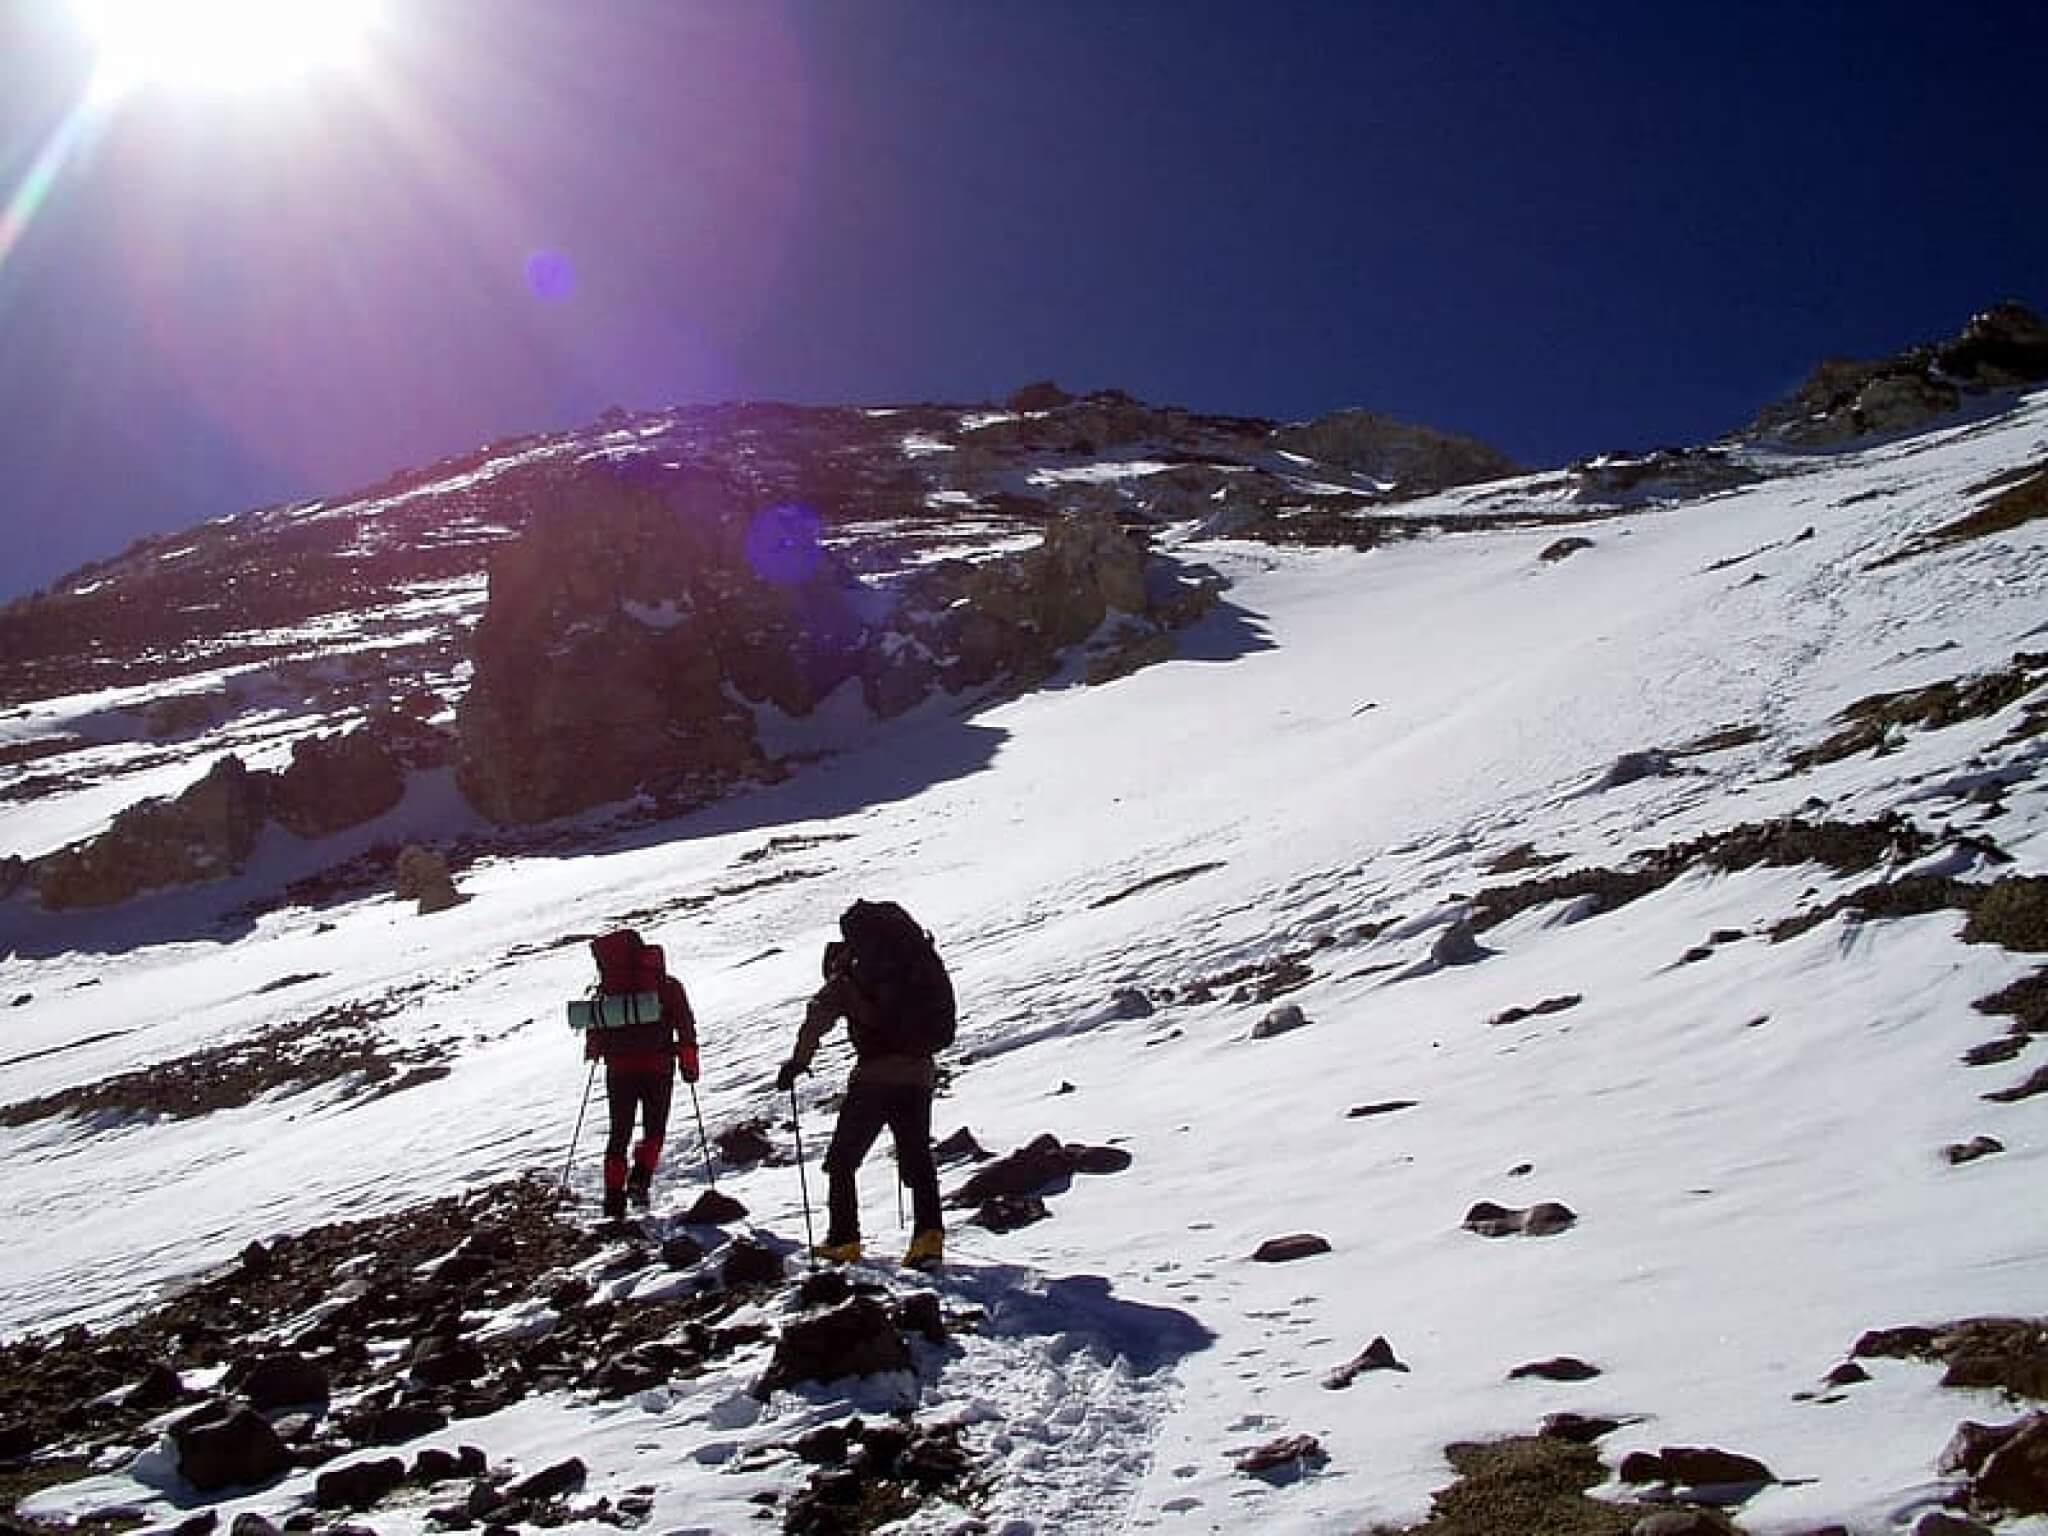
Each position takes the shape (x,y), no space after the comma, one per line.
(641,1091)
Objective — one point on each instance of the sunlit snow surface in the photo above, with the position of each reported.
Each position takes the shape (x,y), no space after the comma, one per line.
(1751,1141)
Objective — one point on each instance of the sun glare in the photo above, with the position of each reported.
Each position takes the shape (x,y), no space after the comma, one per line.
(220,44)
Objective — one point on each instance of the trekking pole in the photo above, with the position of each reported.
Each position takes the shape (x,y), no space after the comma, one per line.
(576,1135)
(703,1141)
(797,1128)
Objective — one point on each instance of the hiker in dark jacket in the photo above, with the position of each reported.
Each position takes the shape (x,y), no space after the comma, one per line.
(885,1089)
(641,1062)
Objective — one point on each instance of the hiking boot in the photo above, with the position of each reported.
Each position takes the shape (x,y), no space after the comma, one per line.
(927,1250)
(638,1183)
(615,1204)
(847,1252)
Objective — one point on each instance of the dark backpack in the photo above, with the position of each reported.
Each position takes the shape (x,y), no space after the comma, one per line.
(627,963)
(895,964)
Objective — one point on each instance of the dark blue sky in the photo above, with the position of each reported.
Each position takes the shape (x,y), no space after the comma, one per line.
(1560,227)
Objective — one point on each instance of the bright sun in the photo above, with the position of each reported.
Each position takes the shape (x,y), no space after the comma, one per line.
(220,43)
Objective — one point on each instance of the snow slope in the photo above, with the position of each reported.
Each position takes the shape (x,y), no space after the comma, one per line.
(1750,1138)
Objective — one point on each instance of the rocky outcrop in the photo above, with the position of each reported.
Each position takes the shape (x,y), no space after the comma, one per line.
(203,834)
(336,782)
(638,626)
(422,877)
(1842,400)
(1413,460)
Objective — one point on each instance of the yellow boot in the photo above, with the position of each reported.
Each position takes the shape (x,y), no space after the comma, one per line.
(927,1250)
(847,1252)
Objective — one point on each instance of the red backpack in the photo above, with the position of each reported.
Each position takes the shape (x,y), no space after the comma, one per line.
(626,963)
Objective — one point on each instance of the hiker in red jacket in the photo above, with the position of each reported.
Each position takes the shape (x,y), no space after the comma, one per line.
(640,1063)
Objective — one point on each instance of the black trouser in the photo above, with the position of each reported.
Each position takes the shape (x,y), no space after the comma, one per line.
(644,1093)
(906,1109)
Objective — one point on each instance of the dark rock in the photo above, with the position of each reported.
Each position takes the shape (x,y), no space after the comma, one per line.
(1285,1250)
(336,782)
(435,1465)
(159,1388)
(824,1288)
(1536,1010)
(256,1260)
(1693,1466)
(2036,1083)
(881,1447)
(1847,1374)
(551,1482)
(714,1209)
(228,1448)
(681,1251)
(750,1263)
(1558,1368)
(1543,1219)
(1376,1356)
(1894,1343)
(857,1339)
(249,1523)
(1042,1166)
(1285,1459)
(441,1363)
(18,1438)
(1972,1443)
(743,1145)
(1283,1020)
(472,1461)
(919,1313)
(1384,1107)
(824,1446)
(2014,1476)
(282,1381)
(201,1524)
(2012,913)
(1130,1003)
(1939,1522)
(1992,1052)
(959,1147)
(359,1484)
(1415,459)
(1563,549)
(1578,1428)
(1960,1152)
(1007,1213)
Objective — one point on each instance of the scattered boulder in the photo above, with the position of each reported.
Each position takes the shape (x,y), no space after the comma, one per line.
(1285,1250)
(748,1262)
(1563,549)
(681,1250)
(158,1389)
(1282,1020)
(1577,1428)
(1044,1165)
(714,1209)
(359,1484)
(1384,1107)
(1694,1467)
(222,1447)
(1283,1460)
(281,1381)
(1008,1213)
(551,1482)
(1558,1368)
(1960,1152)
(1632,767)
(1376,1356)
(918,1313)
(856,1339)
(960,1147)
(1130,1003)
(422,876)
(1540,1220)
(744,1145)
